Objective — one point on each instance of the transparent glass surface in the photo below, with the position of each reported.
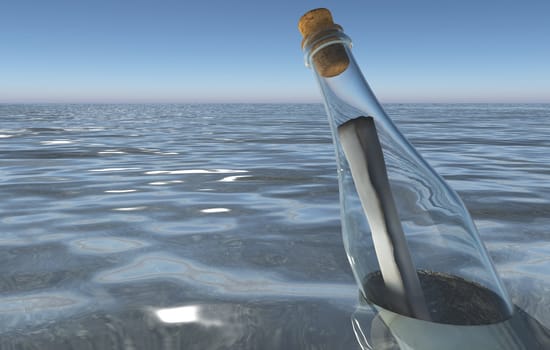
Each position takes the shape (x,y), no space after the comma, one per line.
(443,242)
(383,329)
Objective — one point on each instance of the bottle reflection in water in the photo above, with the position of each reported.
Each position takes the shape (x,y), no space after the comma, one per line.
(411,243)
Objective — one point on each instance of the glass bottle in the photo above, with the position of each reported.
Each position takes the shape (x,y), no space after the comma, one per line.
(410,241)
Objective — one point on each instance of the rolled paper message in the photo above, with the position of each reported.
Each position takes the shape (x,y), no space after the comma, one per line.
(363,152)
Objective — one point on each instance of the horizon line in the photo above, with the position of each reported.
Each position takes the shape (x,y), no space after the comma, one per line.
(131,102)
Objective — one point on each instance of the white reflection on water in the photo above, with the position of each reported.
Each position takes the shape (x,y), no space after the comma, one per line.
(112,169)
(130,208)
(56,142)
(194,171)
(111,152)
(215,210)
(233,178)
(186,314)
(167,153)
(120,191)
(162,183)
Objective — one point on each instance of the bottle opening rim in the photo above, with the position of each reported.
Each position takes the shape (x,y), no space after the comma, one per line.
(320,40)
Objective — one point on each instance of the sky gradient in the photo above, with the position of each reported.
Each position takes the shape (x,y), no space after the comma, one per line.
(249,51)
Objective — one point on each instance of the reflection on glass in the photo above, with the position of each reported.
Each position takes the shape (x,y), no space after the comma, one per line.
(412,245)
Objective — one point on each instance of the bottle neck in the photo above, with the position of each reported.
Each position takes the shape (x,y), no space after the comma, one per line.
(343,85)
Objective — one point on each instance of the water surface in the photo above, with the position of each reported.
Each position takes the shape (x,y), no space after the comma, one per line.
(217,226)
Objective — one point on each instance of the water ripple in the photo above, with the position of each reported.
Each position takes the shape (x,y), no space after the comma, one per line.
(221,281)
(106,245)
(111,212)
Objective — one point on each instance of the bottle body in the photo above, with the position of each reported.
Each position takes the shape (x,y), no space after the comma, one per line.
(442,243)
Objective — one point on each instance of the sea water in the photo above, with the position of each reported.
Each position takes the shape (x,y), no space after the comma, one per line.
(217,226)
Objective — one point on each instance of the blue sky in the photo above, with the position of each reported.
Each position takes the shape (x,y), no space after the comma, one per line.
(249,51)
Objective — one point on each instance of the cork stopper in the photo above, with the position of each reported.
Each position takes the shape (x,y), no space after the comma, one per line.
(314,21)
(332,60)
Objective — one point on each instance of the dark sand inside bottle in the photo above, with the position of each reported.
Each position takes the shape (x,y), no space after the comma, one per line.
(450,299)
